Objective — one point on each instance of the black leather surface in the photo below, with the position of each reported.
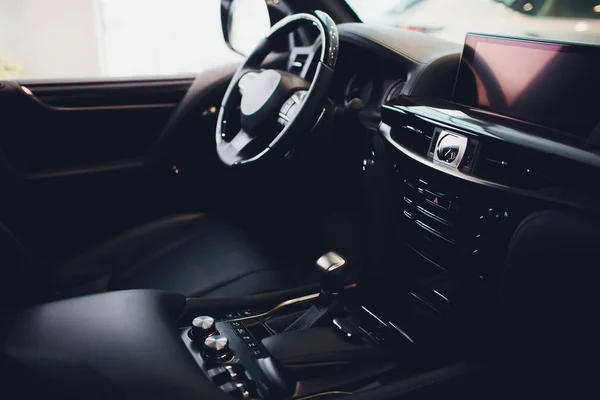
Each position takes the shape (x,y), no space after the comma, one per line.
(307,349)
(120,345)
(18,271)
(191,254)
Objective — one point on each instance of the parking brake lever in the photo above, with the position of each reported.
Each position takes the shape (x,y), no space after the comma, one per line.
(335,270)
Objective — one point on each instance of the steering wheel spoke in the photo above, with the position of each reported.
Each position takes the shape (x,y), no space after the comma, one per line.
(301,59)
(233,150)
(276,107)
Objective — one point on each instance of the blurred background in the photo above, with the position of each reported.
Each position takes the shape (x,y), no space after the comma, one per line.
(564,20)
(53,39)
(111,38)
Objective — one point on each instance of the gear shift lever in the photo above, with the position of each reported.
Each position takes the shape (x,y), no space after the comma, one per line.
(334,268)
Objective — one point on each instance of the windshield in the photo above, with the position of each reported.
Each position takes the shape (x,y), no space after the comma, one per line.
(564,20)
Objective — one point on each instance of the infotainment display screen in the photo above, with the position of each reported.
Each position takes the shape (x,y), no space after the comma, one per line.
(549,84)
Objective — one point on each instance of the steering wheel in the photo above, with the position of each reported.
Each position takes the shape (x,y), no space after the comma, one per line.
(276,107)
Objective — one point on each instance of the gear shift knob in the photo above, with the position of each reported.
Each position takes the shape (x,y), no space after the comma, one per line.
(334,268)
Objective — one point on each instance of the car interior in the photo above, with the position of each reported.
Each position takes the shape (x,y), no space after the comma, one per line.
(354,210)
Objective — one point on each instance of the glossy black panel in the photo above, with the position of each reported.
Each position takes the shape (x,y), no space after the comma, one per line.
(510,153)
(549,83)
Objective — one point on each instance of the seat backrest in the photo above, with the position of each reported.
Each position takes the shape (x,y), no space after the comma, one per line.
(549,306)
(20,282)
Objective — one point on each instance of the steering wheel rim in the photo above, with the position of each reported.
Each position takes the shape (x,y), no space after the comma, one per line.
(268,88)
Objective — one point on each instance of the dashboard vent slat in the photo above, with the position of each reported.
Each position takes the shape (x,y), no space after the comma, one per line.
(414,137)
(519,172)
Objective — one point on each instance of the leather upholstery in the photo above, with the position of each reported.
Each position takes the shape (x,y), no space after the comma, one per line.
(121,345)
(191,254)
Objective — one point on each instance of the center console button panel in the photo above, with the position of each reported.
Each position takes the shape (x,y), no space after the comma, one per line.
(229,358)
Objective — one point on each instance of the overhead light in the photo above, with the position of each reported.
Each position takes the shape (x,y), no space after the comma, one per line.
(528,7)
(597,8)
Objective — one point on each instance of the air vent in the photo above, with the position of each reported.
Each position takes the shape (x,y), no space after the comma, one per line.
(298,63)
(394,91)
(523,172)
(415,136)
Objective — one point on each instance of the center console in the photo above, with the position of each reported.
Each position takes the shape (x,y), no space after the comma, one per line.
(305,346)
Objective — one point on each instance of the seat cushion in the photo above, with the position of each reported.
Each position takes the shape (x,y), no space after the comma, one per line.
(192,254)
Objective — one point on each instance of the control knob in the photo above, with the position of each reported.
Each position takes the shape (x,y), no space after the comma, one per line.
(202,327)
(216,348)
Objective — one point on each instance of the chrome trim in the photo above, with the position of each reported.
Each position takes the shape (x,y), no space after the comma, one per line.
(297,300)
(316,396)
(27,91)
(374,316)
(331,261)
(245,393)
(279,306)
(431,215)
(47,106)
(232,373)
(461,152)
(319,119)
(401,331)
(427,303)
(434,232)
(423,256)
(441,295)
(251,159)
(385,131)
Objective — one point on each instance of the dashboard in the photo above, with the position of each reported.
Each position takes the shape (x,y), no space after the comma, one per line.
(367,79)
(456,165)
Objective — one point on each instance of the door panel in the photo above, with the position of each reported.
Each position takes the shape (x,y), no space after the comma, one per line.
(80,148)
(62,126)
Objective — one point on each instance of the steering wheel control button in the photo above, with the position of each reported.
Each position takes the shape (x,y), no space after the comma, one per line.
(202,327)
(216,348)
(287,105)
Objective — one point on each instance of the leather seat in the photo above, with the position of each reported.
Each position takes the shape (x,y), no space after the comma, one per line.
(192,254)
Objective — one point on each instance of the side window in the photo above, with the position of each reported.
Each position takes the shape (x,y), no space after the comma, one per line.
(58,39)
